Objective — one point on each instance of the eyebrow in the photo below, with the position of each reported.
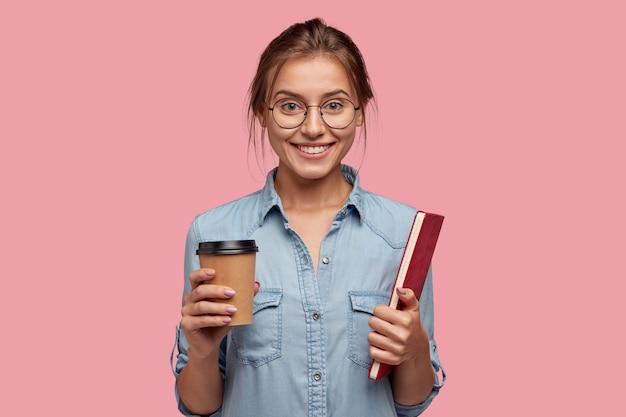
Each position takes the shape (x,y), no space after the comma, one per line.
(299,96)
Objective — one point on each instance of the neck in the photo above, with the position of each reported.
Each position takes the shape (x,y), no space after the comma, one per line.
(295,193)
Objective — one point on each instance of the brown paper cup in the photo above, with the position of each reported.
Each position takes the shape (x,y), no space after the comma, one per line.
(234,264)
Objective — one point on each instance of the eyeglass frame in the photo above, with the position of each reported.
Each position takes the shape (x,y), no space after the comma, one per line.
(306,112)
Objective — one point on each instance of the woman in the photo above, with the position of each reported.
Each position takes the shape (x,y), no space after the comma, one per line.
(329,252)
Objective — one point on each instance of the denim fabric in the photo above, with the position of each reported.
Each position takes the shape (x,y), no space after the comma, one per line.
(306,354)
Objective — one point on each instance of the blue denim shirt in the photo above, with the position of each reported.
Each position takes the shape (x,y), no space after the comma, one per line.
(306,354)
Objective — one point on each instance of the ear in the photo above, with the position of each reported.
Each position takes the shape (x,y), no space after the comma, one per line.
(262,120)
(261,115)
(360,116)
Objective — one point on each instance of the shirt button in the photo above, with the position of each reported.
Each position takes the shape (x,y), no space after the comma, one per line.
(326,260)
(344,212)
(316,316)
(317,376)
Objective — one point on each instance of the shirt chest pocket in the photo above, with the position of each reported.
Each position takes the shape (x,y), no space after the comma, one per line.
(260,342)
(361,309)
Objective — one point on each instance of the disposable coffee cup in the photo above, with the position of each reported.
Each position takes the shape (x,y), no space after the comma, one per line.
(234,263)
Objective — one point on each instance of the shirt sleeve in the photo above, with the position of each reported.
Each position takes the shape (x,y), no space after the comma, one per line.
(427,317)
(182,346)
(416,410)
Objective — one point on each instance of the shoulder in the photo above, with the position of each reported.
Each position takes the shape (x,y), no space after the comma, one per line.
(390,219)
(236,219)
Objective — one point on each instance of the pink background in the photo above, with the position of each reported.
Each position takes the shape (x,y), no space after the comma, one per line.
(121,120)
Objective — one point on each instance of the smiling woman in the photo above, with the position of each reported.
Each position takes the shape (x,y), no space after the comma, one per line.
(324,242)
(313,150)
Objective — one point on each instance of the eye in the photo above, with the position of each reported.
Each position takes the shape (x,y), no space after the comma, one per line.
(334,106)
(290,106)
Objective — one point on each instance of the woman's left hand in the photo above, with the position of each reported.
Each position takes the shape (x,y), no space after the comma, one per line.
(398,335)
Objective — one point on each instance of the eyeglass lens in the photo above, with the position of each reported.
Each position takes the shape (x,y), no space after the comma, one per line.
(337,113)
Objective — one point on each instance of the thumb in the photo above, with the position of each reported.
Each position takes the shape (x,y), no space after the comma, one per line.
(408,299)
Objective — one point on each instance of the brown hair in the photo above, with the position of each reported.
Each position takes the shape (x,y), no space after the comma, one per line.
(310,38)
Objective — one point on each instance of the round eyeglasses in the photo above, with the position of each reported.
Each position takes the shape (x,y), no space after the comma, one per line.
(337,113)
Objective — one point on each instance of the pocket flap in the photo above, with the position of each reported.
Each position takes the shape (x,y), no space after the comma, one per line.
(268,297)
(366,301)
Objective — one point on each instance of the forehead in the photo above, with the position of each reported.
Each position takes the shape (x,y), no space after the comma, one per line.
(312,78)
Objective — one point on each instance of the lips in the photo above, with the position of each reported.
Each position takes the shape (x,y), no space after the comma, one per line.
(312,150)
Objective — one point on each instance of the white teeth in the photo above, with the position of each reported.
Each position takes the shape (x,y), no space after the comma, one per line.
(313,149)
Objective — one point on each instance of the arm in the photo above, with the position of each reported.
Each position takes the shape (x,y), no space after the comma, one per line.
(412,380)
(205,323)
(200,384)
(399,339)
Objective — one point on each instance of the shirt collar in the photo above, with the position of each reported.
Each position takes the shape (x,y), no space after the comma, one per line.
(270,200)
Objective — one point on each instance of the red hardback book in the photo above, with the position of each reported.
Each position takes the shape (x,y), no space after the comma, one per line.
(413,269)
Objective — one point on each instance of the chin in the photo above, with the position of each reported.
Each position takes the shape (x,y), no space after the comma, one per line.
(315,173)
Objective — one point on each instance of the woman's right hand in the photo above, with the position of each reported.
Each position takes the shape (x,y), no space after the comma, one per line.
(204,321)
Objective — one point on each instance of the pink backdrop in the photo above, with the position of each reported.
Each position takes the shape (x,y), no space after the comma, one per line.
(121,120)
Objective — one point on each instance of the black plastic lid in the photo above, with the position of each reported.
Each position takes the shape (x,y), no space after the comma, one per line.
(227,247)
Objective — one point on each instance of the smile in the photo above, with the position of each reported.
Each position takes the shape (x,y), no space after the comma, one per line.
(312,150)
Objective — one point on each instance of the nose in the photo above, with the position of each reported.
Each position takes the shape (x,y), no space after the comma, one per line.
(313,125)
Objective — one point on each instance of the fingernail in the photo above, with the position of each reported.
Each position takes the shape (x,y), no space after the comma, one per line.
(231,310)
(229,293)
(226,320)
(209,272)
(401,291)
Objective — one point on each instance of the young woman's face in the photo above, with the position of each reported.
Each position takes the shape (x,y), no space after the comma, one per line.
(313,149)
